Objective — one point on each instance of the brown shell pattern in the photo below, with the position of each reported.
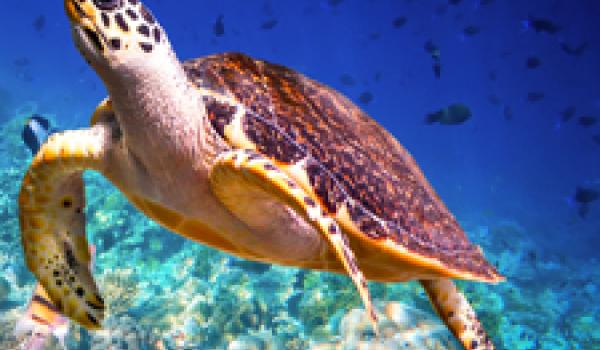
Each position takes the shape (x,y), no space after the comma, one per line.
(351,159)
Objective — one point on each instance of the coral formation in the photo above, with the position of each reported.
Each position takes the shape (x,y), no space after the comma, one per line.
(401,327)
(164,292)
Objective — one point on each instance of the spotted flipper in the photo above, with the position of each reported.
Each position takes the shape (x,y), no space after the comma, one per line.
(252,170)
(454,309)
(51,203)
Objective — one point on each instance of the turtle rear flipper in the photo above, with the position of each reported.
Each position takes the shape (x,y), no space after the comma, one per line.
(457,313)
(51,203)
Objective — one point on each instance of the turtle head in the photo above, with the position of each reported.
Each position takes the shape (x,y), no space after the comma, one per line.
(118,37)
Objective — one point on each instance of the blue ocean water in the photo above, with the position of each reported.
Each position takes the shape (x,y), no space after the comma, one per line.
(509,173)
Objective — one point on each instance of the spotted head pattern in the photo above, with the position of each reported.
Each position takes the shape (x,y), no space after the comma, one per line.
(113,32)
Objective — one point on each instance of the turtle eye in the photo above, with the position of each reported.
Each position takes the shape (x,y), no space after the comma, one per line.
(108,4)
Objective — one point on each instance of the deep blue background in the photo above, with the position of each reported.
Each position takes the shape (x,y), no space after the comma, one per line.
(488,169)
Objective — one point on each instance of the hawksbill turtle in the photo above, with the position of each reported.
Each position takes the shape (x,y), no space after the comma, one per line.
(245,156)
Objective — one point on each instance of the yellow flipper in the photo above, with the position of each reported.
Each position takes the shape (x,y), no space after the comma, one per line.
(456,312)
(52,220)
(250,169)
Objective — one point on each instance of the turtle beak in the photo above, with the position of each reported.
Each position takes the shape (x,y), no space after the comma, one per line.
(77,11)
(81,15)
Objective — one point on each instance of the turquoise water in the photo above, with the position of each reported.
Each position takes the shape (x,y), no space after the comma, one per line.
(509,173)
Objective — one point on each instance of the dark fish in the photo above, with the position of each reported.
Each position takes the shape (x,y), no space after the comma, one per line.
(574,51)
(399,22)
(365,97)
(437,69)
(485,2)
(508,113)
(541,25)
(268,25)
(454,2)
(533,62)
(434,51)
(36,132)
(584,196)
(347,80)
(471,30)
(587,120)
(431,48)
(39,23)
(568,113)
(492,75)
(377,76)
(535,96)
(454,114)
(219,26)
(335,2)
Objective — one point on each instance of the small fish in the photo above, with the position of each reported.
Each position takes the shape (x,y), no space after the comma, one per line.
(39,23)
(347,80)
(269,24)
(42,319)
(541,25)
(584,197)
(535,96)
(219,26)
(335,2)
(574,51)
(485,2)
(377,76)
(533,62)
(434,51)
(36,131)
(587,120)
(492,75)
(508,113)
(431,49)
(399,22)
(454,2)
(568,113)
(471,31)
(366,97)
(454,114)
(437,69)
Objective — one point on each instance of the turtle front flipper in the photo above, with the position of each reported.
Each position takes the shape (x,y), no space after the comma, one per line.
(456,312)
(245,170)
(52,221)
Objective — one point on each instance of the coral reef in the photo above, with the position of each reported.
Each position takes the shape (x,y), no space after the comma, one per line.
(401,327)
(164,292)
